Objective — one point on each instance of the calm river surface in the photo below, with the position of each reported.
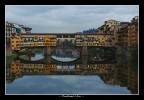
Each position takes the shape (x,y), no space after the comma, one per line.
(45,75)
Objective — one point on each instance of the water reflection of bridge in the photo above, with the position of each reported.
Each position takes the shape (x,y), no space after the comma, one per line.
(81,60)
(48,66)
(19,68)
(112,74)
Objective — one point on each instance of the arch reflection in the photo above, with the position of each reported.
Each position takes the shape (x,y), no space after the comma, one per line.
(111,73)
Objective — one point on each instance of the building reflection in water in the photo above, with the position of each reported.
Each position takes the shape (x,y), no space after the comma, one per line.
(113,74)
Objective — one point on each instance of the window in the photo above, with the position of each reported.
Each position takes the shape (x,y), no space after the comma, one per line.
(72,36)
(65,36)
(59,36)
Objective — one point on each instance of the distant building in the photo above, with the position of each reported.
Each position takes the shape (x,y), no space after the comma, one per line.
(122,34)
(101,29)
(127,34)
(9,28)
(22,28)
(14,28)
(133,33)
(110,26)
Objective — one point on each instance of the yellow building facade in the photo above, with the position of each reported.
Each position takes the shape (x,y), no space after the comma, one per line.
(29,40)
(34,40)
(95,40)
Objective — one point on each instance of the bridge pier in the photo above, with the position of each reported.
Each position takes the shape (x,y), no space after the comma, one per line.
(48,59)
(84,51)
(119,49)
(84,60)
(84,64)
(47,51)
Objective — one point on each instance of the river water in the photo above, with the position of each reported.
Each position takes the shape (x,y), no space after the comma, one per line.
(45,75)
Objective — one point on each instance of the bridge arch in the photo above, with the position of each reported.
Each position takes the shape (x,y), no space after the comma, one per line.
(59,42)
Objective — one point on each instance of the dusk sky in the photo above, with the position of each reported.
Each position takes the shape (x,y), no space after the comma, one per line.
(67,18)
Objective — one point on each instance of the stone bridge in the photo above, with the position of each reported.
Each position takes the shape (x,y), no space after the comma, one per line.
(49,40)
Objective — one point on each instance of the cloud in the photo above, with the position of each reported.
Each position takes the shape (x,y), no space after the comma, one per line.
(68,18)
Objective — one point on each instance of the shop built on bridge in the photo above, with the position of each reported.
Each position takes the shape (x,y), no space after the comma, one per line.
(51,40)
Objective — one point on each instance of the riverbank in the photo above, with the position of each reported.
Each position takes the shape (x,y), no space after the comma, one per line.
(22,52)
(11,56)
(25,52)
(29,51)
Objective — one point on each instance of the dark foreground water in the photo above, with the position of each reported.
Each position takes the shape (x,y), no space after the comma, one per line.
(47,76)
